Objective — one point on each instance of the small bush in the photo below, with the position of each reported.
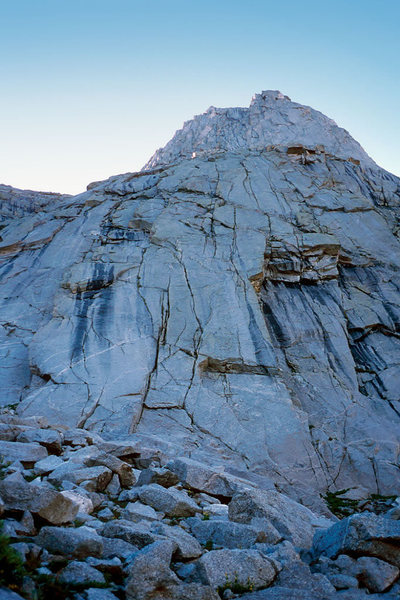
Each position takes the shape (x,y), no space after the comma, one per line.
(235,586)
(341,507)
(12,570)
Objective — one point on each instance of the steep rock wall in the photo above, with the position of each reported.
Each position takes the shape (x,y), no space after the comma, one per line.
(241,304)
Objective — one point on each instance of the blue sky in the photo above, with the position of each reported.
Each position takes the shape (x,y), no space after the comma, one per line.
(91,88)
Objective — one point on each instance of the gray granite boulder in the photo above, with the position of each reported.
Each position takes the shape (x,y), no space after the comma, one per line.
(77,542)
(225,533)
(361,534)
(137,534)
(375,574)
(22,452)
(172,502)
(49,438)
(292,520)
(249,568)
(47,503)
(77,572)
(150,571)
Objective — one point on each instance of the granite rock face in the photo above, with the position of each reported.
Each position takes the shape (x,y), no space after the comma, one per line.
(237,301)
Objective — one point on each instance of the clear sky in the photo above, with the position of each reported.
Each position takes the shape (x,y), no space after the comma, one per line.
(91,88)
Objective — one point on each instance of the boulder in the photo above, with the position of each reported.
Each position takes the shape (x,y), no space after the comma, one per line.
(48,464)
(224,533)
(44,502)
(81,437)
(187,546)
(150,571)
(84,503)
(375,574)
(202,478)
(49,438)
(77,572)
(296,574)
(122,469)
(100,477)
(249,568)
(361,534)
(9,433)
(116,547)
(160,475)
(136,511)
(291,520)
(137,534)
(172,502)
(23,452)
(343,582)
(77,542)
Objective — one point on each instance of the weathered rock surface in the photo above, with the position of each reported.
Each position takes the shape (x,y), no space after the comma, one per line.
(239,301)
(157,558)
(79,543)
(361,534)
(245,567)
(80,573)
(50,505)
(289,518)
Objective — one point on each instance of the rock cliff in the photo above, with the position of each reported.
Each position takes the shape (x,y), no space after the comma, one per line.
(236,301)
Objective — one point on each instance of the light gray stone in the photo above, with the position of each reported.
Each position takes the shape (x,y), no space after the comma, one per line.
(122,469)
(23,452)
(116,547)
(172,502)
(160,475)
(106,514)
(84,503)
(375,574)
(48,464)
(100,477)
(77,542)
(150,571)
(136,511)
(343,582)
(48,504)
(247,567)
(225,533)
(187,546)
(49,438)
(365,533)
(81,573)
(138,534)
(201,477)
(291,520)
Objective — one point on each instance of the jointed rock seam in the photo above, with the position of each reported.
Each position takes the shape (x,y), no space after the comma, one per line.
(235,303)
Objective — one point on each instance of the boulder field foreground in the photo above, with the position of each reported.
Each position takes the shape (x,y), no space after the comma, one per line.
(199,369)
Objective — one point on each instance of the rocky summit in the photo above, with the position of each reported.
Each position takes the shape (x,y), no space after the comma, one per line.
(199,370)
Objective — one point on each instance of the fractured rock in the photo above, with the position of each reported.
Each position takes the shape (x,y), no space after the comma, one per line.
(365,533)
(23,452)
(172,502)
(80,572)
(77,542)
(247,567)
(291,519)
(48,504)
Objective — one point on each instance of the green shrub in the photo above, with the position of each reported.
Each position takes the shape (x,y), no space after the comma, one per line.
(12,570)
(341,507)
(235,586)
